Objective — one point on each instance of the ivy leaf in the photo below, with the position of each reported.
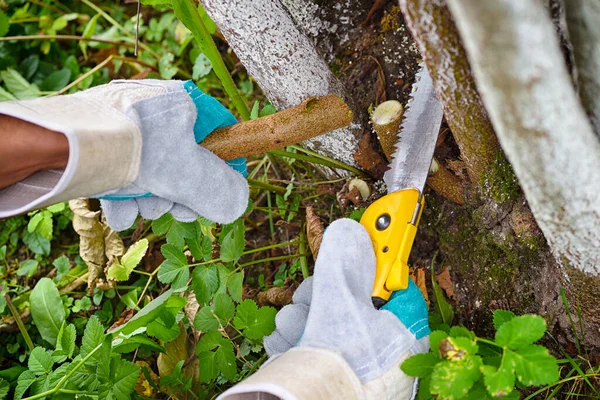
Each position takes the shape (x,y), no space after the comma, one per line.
(26,379)
(255,323)
(4,387)
(453,379)
(174,269)
(234,286)
(232,245)
(205,282)
(420,365)
(500,381)
(17,85)
(501,317)
(121,270)
(521,331)
(40,361)
(4,23)
(534,366)
(47,309)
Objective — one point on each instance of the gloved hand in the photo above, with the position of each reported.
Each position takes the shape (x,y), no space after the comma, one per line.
(176,173)
(333,311)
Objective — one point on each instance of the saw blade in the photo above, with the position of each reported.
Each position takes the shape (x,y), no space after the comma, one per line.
(416,138)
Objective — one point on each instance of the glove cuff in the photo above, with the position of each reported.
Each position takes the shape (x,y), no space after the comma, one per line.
(305,373)
(104,150)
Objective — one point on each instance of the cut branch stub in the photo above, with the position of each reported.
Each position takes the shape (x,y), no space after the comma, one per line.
(438,40)
(386,120)
(445,183)
(313,117)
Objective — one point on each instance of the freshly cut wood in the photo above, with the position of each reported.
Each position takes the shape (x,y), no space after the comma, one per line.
(386,120)
(313,117)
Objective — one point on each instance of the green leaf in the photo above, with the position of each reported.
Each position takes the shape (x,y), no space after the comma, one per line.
(224,308)
(208,369)
(65,343)
(225,359)
(93,336)
(453,379)
(129,344)
(83,304)
(34,221)
(176,231)
(499,382)
(521,331)
(464,344)
(209,341)
(72,65)
(18,85)
(4,23)
(435,339)
(255,323)
(47,309)
(62,266)
(232,245)
(210,318)
(441,304)
(234,286)
(45,225)
(56,80)
(534,366)
(26,379)
(37,243)
(4,387)
(211,27)
(125,376)
(254,111)
(202,67)
(205,321)
(27,268)
(174,269)
(88,32)
(201,249)
(121,270)
(268,109)
(165,66)
(501,317)
(420,365)
(6,96)
(40,361)
(29,66)
(205,282)
(461,331)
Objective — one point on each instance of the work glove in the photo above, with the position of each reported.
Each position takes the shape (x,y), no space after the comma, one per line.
(122,207)
(333,316)
(134,141)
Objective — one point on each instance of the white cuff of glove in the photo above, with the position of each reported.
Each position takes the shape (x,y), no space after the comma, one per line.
(305,373)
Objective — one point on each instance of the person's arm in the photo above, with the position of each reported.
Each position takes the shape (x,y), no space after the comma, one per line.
(28,148)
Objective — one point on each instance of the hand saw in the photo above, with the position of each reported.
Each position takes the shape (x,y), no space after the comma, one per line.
(393,219)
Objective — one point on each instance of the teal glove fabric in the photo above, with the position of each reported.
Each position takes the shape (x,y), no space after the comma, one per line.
(410,307)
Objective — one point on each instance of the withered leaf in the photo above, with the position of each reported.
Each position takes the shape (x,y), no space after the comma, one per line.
(314,231)
(418,276)
(275,296)
(445,282)
(180,349)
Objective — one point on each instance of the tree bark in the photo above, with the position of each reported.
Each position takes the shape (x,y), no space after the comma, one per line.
(539,120)
(283,62)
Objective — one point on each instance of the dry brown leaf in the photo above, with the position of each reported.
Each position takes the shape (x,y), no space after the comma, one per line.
(418,276)
(445,282)
(275,296)
(98,244)
(142,386)
(191,309)
(314,231)
(180,349)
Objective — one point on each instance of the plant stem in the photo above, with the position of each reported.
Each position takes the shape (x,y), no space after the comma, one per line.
(65,378)
(278,258)
(187,12)
(316,158)
(18,320)
(84,76)
(63,37)
(302,249)
(267,186)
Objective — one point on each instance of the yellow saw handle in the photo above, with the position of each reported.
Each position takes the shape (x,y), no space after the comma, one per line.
(392,225)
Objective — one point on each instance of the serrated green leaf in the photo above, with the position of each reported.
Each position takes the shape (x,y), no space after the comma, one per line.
(65,343)
(208,366)
(205,282)
(461,331)
(453,379)
(224,308)
(175,231)
(56,80)
(4,388)
(521,331)
(83,304)
(255,323)
(45,226)
(534,366)
(205,320)
(40,361)
(93,336)
(34,221)
(234,286)
(120,270)
(209,341)
(174,269)
(465,344)
(4,24)
(26,379)
(500,381)
(47,309)
(27,268)
(201,249)
(420,365)
(501,317)
(435,338)
(478,392)
(225,359)
(232,245)
(125,376)
(18,86)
